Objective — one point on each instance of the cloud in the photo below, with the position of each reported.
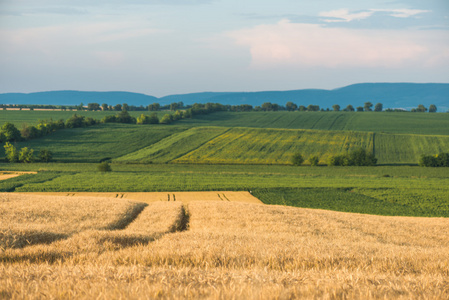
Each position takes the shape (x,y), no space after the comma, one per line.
(343,15)
(310,45)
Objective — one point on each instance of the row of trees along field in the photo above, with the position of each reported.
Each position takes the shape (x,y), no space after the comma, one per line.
(267,106)
(357,157)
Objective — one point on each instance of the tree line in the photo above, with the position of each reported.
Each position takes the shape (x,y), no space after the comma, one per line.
(267,106)
(356,157)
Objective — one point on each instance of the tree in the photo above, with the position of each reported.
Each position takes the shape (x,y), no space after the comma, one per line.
(166,119)
(297,159)
(378,107)
(359,108)
(104,167)
(118,107)
(368,106)
(45,155)
(432,108)
(124,117)
(153,119)
(125,107)
(154,107)
(10,132)
(173,106)
(421,108)
(80,107)
(104,107)
(360,157)
(349,108)
(267,106)
(336,107)
(26,155)
(314,160)
(93,106)
(143,119)
(75,121)
(290,106)
(11,153)
(302,108)
(313,107)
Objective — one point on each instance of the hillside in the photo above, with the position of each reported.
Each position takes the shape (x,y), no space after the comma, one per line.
(392,95)
(77,97)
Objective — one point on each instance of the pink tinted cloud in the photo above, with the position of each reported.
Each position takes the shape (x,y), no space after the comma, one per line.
(295,44)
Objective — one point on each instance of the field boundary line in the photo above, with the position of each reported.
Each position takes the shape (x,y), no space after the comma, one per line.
(202,144)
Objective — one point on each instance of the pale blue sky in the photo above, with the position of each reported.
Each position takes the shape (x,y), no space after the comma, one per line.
(161,47)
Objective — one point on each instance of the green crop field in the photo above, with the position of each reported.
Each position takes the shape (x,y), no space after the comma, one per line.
(103,141)
(389,122)
(275,146)
(212,153)
(173,146)
(407,191)
(407,148)
(19,117)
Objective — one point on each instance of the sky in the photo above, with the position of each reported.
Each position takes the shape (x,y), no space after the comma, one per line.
(164,47)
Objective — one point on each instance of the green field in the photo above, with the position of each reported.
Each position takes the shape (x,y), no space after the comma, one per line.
(388,122)
(127,143)
(250,151)
(275,146)
(385,190)
(95,143)
(173,146)
(32,117)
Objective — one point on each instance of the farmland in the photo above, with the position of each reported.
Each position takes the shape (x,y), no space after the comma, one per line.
(226,145)
(387,122)
(181,213)
(222,250)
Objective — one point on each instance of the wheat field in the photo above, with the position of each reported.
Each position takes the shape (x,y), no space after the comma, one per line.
(224,250)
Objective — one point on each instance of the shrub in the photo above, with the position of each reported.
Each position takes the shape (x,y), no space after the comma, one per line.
(166,119)
(439,160)
(104,167)
(11,153)
(26,155)
(357,157)
(297,159)
(45,155)
(314,160)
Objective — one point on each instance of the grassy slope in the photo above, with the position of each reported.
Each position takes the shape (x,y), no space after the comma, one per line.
(98,142)
(413,123)
(407,148)
(173,146)
(274,146)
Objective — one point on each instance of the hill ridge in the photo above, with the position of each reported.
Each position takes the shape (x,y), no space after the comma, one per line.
(391,95)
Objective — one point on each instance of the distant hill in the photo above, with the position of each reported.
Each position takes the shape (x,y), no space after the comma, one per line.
(77,97)
(391,95)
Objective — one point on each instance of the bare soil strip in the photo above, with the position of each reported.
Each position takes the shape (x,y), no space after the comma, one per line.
(184,197)
(8,175)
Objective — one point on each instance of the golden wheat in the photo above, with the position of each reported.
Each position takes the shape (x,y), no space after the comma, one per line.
(149,197)
(241,251)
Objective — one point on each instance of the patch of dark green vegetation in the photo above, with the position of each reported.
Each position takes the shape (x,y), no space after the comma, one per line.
(375,202)
(10,185)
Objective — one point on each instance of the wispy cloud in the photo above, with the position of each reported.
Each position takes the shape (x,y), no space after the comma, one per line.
(295,45)
(344,15)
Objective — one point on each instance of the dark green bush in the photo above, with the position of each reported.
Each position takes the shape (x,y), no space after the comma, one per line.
(104,167)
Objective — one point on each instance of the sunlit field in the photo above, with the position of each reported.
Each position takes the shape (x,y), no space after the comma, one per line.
(222,249)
